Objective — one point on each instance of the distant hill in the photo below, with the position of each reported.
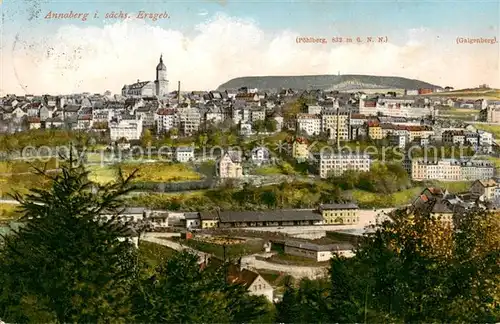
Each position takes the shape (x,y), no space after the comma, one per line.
(325,82)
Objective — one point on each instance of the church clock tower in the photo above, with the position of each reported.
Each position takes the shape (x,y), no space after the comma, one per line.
(161,82)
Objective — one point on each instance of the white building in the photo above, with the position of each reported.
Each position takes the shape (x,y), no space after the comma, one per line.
(319,253)
(192,221)
(336,164)
(396,106)
(310,124)
(260,155)
(184,154)
(451,170)
(128,129)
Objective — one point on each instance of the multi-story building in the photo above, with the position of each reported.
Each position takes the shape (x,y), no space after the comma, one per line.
(310,124)
(165,120)
(451,170)
(490,114)
(229,166)
(257,114)
(300,149)
(147,115)
(374,130)
(395,106)
(189,120)
(331,119)
(460,137)
(339,213)
(128,129)
(337,163)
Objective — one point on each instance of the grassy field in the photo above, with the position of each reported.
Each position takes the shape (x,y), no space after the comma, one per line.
(453,186)
(154,254)
(495,160)
(21,183)
(23,166)
(494,129)
(378,200)
(161,172)
(268,170)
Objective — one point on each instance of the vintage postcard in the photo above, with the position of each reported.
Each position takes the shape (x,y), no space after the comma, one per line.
(249,161)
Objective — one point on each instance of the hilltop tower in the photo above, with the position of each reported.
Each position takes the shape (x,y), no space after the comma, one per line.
(161,82)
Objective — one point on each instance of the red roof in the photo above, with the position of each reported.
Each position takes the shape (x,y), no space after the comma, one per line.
(370,104)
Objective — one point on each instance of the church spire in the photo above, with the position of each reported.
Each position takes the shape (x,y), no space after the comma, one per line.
(161,58)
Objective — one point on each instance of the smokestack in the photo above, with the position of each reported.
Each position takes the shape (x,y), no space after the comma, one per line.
(179,93)
(338,129)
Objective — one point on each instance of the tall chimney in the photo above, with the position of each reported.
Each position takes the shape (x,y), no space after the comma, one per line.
(179,93)
(338,129)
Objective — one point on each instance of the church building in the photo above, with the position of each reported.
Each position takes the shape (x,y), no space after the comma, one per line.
(158,88)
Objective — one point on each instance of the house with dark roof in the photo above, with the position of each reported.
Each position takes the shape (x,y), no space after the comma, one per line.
(252,281)
(485,189)
(229,166)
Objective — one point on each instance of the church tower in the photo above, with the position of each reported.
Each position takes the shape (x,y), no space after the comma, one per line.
(161,82)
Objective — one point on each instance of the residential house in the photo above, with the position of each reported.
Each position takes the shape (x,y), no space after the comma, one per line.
(46,112)
(71,111)
(147,115)
(55,122)
(278,118)
(125,128)
(34,123)
(252,281)
(191,221)
(33,110)
(229,166)
(300,149)
(260,155)
(485,189)
(310,124)
(184,154)
(257,114)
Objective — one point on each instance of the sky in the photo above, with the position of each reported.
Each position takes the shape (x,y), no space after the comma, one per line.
(206,43)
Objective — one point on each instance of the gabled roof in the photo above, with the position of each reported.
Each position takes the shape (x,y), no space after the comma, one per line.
(244,277)
(488,183)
